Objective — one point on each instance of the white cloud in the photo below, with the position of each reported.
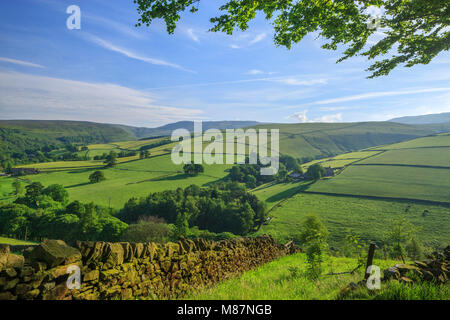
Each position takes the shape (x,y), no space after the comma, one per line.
(283,80)
(329,118)
(21,62)
(132,55)
(26,96)
(254,72)
(192,35)
(258,38)
(302,117)
(112,24)
(298,82)
(371,95)
(243,40)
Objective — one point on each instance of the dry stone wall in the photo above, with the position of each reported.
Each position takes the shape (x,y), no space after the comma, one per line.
(435,268)
(129,270)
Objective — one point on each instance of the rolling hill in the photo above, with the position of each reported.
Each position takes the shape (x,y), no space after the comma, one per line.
(377,185)
(23,139)
(316,140)
(417,169)
(60,131)
(327,139)
(424,119)
(166,130)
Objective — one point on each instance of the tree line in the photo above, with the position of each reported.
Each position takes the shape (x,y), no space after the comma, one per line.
(221,211)
(225,207)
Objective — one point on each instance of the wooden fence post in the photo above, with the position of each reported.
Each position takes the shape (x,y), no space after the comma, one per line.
(369,259)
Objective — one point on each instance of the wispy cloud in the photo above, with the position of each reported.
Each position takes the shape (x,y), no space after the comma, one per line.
(26,96)
(21,62)
(300,82)
(258,38)
(283,80)
(112,24)
(371,95)
(255,72)
(128,53)
(190,32)
(245,43)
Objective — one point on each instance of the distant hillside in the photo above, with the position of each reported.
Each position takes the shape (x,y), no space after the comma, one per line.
(425,119)
(167,129)
(67,131)
(24,140)
(317,140)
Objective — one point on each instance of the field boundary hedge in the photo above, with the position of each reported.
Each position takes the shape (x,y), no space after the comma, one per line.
(440,203)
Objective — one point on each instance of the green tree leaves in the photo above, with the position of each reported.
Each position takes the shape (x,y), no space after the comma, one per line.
(97,177)
(315,171)
(414,31)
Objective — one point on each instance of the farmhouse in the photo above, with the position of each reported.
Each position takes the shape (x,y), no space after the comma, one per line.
(296,175)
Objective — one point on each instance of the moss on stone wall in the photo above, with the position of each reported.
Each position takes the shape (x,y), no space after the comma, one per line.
(129,270)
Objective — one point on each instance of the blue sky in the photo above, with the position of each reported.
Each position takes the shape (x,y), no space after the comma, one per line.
(110,71)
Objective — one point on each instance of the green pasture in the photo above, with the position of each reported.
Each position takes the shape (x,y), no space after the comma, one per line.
(273,193)
(126,180)
(442,140)
(421,157)
(370,218)
(15,242)
(286,279)
(389,181)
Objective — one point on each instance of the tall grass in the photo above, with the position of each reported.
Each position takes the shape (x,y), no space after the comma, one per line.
(286,279)
(394,290)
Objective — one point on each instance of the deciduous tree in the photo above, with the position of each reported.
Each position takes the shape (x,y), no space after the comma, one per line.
(407,32)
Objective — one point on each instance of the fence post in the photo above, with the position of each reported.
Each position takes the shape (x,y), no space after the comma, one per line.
(369,259)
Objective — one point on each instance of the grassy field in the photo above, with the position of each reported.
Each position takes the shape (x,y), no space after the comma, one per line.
(15,242)
(312,139)
(368,173)
(274,193)
(389,181)
(439,157)
(286,279)
(125,180)
(373,174)
(405,170)
(441,140)
(367,217)
(342,160)
(5,188)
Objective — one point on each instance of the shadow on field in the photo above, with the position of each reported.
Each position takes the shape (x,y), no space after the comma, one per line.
(78,185)
(86,170)
(211,183)
(288,193)
(172,177)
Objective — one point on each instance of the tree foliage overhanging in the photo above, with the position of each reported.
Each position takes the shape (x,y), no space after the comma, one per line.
(414,31)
